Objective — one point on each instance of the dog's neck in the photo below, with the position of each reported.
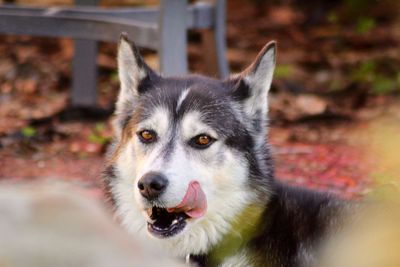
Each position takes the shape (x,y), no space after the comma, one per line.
(197,260)
(241,232)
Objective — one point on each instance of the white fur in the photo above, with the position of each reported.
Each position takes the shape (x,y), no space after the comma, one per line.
(217,179)
(129,74)
(305,256)
(221,171)
(259,80)
(192,125)
(181,99)
(240,259)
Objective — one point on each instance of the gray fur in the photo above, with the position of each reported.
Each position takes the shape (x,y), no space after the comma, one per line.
(294,221)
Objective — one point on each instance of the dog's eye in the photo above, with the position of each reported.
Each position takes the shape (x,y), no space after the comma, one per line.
(201,141)
(147,136)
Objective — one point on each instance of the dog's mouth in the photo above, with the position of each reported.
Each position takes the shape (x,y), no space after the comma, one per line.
(167,222)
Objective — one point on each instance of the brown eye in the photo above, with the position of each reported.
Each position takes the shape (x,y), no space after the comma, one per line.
(147,136)
(201,141)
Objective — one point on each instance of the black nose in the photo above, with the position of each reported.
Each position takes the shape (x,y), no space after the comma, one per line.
(152,184)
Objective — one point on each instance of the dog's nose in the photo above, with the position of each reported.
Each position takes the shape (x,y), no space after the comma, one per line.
(152,184)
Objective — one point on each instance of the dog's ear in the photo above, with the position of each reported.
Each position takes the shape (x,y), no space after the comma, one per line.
(135,78)
(133,72)
(251,87)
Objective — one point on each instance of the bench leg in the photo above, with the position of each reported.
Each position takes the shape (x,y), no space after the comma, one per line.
(84,68)
(214,43)
(173,37)
(84,73)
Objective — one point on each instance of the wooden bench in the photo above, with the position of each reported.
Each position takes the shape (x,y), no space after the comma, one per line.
(162,28)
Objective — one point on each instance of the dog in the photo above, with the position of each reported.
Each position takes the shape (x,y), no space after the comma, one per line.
(190,169)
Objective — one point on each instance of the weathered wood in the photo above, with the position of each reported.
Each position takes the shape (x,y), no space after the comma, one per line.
(214,43)
(84,69)
(173,37)
(163,29)
(84,73)
(199,15)
(81,28)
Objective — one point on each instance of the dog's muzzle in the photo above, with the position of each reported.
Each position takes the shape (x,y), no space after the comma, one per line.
(167,222)
(152,185)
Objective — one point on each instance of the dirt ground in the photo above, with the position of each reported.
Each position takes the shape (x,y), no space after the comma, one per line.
(335,77)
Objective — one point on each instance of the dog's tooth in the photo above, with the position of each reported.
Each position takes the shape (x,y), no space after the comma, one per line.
(149,211)
(175,221)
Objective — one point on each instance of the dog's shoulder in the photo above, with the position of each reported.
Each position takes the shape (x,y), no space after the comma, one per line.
(304,204)
(294,222)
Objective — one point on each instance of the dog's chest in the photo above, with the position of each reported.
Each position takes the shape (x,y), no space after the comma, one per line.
(240,259)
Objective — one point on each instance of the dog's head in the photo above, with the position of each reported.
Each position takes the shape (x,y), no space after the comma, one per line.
(189,153)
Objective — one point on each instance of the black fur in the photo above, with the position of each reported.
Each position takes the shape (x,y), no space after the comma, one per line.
(108,176)
(294,220)
(206,95)
(241,90)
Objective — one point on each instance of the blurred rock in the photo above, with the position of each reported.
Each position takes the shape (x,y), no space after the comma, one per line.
(51,225)
(293,107)
(370,237)
(310,105)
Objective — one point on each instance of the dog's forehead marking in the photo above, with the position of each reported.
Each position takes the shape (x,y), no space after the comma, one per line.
(181,98)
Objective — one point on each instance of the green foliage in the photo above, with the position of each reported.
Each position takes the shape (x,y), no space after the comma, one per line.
(382,84)
(336,85)
(357,8)
(114,76)
(398,80)
(333,17)
(97,135)
(283,71)
(370,74)
(365,25)
(99,127)
(365,72)
(28,131)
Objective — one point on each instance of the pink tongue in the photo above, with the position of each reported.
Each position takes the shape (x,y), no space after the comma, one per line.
(194,203)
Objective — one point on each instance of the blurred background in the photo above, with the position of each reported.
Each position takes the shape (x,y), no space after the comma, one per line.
(334,102)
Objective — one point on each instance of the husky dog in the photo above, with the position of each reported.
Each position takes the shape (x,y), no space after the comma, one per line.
(190,169)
